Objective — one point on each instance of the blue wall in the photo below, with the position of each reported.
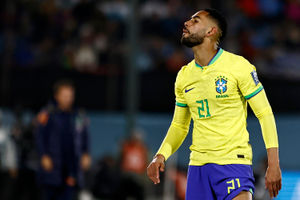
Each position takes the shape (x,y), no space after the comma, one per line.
(290,186)
(108,129)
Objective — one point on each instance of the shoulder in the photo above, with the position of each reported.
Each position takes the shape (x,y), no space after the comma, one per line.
(238,65)
(82,116)
(44,115)
(80,112)
(183,72)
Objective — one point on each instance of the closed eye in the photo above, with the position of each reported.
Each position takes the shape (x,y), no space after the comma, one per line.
(196,19)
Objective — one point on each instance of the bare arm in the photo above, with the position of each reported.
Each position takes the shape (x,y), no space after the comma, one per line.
(273,173)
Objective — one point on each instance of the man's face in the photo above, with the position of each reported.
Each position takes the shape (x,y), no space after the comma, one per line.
(65,97)
(195,29)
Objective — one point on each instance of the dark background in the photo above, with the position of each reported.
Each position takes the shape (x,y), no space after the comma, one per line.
(87,41)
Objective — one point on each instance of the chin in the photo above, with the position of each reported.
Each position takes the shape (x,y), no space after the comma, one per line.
(185,35)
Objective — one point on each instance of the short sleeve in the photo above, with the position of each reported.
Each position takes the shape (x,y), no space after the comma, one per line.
(180,101)
(249,83)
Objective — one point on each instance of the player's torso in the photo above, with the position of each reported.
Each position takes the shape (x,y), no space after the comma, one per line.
(212,92)
(219,113)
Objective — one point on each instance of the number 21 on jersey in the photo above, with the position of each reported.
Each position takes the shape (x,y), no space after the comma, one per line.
(203,108)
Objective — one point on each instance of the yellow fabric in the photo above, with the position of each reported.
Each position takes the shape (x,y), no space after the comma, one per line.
(177,132)
(263,111)
(215,96)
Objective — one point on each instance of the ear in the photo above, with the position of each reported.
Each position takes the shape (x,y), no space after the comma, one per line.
(212,31)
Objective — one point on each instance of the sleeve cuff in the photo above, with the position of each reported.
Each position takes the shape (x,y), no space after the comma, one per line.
(165,150)
(181,104)
(249,96)
(272,146)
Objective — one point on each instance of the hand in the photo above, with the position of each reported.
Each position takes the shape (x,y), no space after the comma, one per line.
(70,181)
(155,167)
(47,163)
(85,161)
(273,180)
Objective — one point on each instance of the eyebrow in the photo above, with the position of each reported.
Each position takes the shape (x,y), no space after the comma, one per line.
(193,17)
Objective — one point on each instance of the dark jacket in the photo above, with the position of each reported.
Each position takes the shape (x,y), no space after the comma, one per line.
(64,137)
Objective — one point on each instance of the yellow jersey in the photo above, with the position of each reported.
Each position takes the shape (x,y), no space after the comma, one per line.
(216,96)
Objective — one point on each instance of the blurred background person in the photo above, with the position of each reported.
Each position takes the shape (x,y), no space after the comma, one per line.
(62,141)
(134,158)
(107,179)
(22,132)
(179,177)
(8,161)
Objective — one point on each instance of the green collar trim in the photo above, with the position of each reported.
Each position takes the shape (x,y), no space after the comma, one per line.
(218,54)
(197,65)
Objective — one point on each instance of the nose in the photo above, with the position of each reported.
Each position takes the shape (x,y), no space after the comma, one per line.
(186,24)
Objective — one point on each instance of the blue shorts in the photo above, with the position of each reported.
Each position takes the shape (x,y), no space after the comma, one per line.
(218,182)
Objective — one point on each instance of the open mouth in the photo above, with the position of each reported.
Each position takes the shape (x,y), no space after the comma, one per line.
(184,30)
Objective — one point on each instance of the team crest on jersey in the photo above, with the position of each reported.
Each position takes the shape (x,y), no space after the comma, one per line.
(221,86)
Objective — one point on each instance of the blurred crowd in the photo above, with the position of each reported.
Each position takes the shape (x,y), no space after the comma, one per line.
(91,36)
(24,175)
(49,157)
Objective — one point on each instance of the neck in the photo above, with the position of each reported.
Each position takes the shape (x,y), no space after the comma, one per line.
(64,109)
(204,53)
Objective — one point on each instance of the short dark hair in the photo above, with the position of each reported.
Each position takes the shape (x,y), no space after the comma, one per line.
(63,83)
(220,20)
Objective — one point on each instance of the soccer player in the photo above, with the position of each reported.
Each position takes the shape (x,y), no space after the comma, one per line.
(213,90)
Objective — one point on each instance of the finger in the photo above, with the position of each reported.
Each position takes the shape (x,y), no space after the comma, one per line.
(157,175)
(162,168)
(153,179)
(269,187)
(270,193)
(279,184)
(153,174)
(275,189)
(278,187)
(156,170)
(149,171)
(266,184)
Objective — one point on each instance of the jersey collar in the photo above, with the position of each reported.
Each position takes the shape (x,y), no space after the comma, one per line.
(218,54)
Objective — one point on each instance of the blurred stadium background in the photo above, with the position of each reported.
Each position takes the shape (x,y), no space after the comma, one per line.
(123,57)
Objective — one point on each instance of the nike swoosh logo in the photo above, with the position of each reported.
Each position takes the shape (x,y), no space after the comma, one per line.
(186,91)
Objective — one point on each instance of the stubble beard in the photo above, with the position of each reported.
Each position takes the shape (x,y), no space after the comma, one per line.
(192,40)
